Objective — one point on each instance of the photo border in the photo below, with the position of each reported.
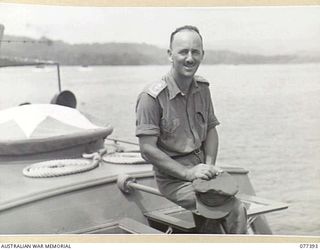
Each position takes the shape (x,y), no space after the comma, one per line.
(161,238)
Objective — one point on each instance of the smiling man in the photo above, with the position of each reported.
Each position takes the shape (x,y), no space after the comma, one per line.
(176,127)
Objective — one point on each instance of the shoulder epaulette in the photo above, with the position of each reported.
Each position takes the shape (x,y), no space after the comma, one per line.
(154,89)
(201,79)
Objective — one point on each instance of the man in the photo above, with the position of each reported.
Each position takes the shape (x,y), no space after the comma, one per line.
(176,123)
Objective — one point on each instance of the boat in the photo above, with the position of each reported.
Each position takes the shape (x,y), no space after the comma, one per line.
(62,174)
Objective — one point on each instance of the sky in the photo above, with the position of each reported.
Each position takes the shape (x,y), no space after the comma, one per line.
(264,30)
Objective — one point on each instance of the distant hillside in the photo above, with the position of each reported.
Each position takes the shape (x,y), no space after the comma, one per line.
(84,54)
(126,53)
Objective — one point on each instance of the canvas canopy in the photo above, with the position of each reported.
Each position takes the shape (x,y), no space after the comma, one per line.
(36,128)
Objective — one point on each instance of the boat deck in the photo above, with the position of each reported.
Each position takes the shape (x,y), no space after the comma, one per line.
(17,189)
(89,201)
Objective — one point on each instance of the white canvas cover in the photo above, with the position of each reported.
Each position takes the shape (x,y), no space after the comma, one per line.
(37,128)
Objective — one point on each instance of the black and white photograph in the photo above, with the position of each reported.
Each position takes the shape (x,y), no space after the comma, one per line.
(159,120)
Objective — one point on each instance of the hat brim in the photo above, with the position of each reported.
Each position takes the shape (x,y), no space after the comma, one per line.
(216,212)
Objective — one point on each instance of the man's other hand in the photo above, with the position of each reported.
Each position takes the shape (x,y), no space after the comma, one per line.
(203,171)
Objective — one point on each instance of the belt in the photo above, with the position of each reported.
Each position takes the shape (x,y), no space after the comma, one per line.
(196,152)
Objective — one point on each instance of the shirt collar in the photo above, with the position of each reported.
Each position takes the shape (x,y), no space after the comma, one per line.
(174,89)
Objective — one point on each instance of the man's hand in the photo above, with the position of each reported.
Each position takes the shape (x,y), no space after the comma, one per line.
(203,171)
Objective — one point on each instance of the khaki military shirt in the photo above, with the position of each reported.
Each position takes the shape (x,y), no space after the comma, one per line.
(180,121)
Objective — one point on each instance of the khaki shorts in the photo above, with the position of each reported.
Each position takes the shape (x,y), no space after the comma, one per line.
(176,190)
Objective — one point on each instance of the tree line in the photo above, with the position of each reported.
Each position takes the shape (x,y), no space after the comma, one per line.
(124,53)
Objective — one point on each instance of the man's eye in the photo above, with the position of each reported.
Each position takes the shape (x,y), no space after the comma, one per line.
(184,52)
(196,52)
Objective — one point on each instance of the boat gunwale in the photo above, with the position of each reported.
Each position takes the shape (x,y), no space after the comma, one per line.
(36,196)
(68,188)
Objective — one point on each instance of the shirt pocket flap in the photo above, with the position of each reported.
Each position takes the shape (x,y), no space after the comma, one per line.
(170,126)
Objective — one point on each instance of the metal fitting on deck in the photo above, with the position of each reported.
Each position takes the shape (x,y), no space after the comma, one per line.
(124,182)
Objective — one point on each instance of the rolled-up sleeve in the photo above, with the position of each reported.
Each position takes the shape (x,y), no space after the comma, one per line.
(147,116)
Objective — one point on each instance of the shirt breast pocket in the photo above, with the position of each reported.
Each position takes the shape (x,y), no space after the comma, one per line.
(169,127)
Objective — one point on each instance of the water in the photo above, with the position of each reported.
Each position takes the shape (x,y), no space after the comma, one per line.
(269,118)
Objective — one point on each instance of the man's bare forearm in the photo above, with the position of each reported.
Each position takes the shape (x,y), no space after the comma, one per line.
(211,145)
(161,160)
(151,152)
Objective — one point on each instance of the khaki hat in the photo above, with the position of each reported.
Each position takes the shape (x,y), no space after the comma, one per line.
(215,198)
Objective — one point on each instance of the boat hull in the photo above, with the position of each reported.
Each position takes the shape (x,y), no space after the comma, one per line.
(92,202)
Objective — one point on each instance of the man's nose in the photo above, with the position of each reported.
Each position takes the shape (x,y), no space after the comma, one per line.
(189,58)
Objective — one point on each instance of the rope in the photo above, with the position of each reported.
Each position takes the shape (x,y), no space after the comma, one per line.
(123,141)
(63,167)
(124,158)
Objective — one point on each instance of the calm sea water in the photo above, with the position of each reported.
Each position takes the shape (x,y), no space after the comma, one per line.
(269,114)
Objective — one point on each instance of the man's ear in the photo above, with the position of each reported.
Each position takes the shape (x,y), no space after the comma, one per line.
(169,52)
(202,55)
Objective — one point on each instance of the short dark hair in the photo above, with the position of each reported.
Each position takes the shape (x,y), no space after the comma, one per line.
(185,27)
